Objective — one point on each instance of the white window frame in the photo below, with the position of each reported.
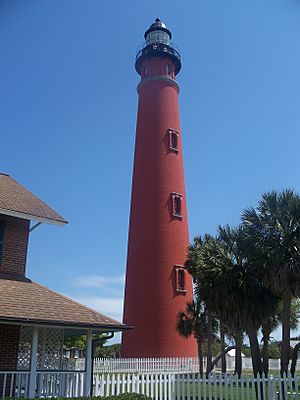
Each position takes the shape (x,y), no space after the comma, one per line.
(173,132)
(174,197)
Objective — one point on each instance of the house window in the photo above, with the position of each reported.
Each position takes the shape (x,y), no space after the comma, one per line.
(180,279)
(2,227)
(177,205)
(173,140)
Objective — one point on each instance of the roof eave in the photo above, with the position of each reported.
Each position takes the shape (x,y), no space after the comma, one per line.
(65,324)
(29,217)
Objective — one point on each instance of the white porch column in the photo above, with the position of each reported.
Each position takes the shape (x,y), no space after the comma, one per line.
(88,364)
(33,362)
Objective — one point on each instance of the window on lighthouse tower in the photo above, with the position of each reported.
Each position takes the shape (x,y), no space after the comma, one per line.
(177,205)
(168,70)
(180,279)
(173,140)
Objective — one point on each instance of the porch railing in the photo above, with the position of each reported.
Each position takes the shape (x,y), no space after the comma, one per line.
(48,384)
(14,384)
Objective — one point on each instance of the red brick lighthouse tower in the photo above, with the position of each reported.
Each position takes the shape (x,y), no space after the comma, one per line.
(157,285)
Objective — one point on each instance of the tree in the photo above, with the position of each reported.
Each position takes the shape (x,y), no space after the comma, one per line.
(79,341)
(294,358)
(268,326)
(223,346)
(193,321)
(226,276)
(194,264)
(274,350)
(272,323)
(112,351)
(211,321)
(273,228)
(246,350)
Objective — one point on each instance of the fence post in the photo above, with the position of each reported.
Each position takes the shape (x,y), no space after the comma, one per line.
(33,362)
(88,364)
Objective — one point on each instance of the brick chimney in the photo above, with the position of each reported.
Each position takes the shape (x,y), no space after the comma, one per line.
(14,233)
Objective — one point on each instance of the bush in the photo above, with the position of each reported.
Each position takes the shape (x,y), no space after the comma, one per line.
(246,351)
(274,350)
(126,396)
(123,396)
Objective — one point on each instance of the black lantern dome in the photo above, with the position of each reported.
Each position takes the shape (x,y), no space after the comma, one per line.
(157,43)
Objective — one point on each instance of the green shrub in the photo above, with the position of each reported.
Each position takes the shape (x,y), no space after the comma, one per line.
(124,396)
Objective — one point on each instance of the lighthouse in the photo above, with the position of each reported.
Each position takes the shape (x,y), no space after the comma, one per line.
(157,284)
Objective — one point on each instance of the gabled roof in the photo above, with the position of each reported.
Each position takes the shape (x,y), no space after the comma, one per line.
(29,302)
(17,201)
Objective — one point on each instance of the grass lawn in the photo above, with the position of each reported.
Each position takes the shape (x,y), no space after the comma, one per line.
(189,387)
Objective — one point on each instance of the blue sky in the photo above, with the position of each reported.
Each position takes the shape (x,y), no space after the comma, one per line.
(68,107)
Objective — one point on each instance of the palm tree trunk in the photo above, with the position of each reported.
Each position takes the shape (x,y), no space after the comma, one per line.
(221,354)
(286,331)
(256,360)
(265,349)
(223,346)
(209,342)
(238,338)
(255,352)
(294,359)
(200,355)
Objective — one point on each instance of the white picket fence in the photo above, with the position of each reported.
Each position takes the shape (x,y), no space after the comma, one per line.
(191,386)
(153,365)
(15,384)
(158,386)
(146,365)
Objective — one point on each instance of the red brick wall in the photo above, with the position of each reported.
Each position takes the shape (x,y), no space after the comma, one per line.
(15,245)
(9,344)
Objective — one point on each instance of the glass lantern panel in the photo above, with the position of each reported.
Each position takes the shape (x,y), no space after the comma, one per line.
(158,37)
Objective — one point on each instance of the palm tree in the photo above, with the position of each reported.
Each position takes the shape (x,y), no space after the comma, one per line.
(194,264)
(226,275)
(273,229)
(191,264)
(271,324)
(193,321)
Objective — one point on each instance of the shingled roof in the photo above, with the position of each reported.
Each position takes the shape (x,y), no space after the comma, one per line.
(17,201)
(30,302)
